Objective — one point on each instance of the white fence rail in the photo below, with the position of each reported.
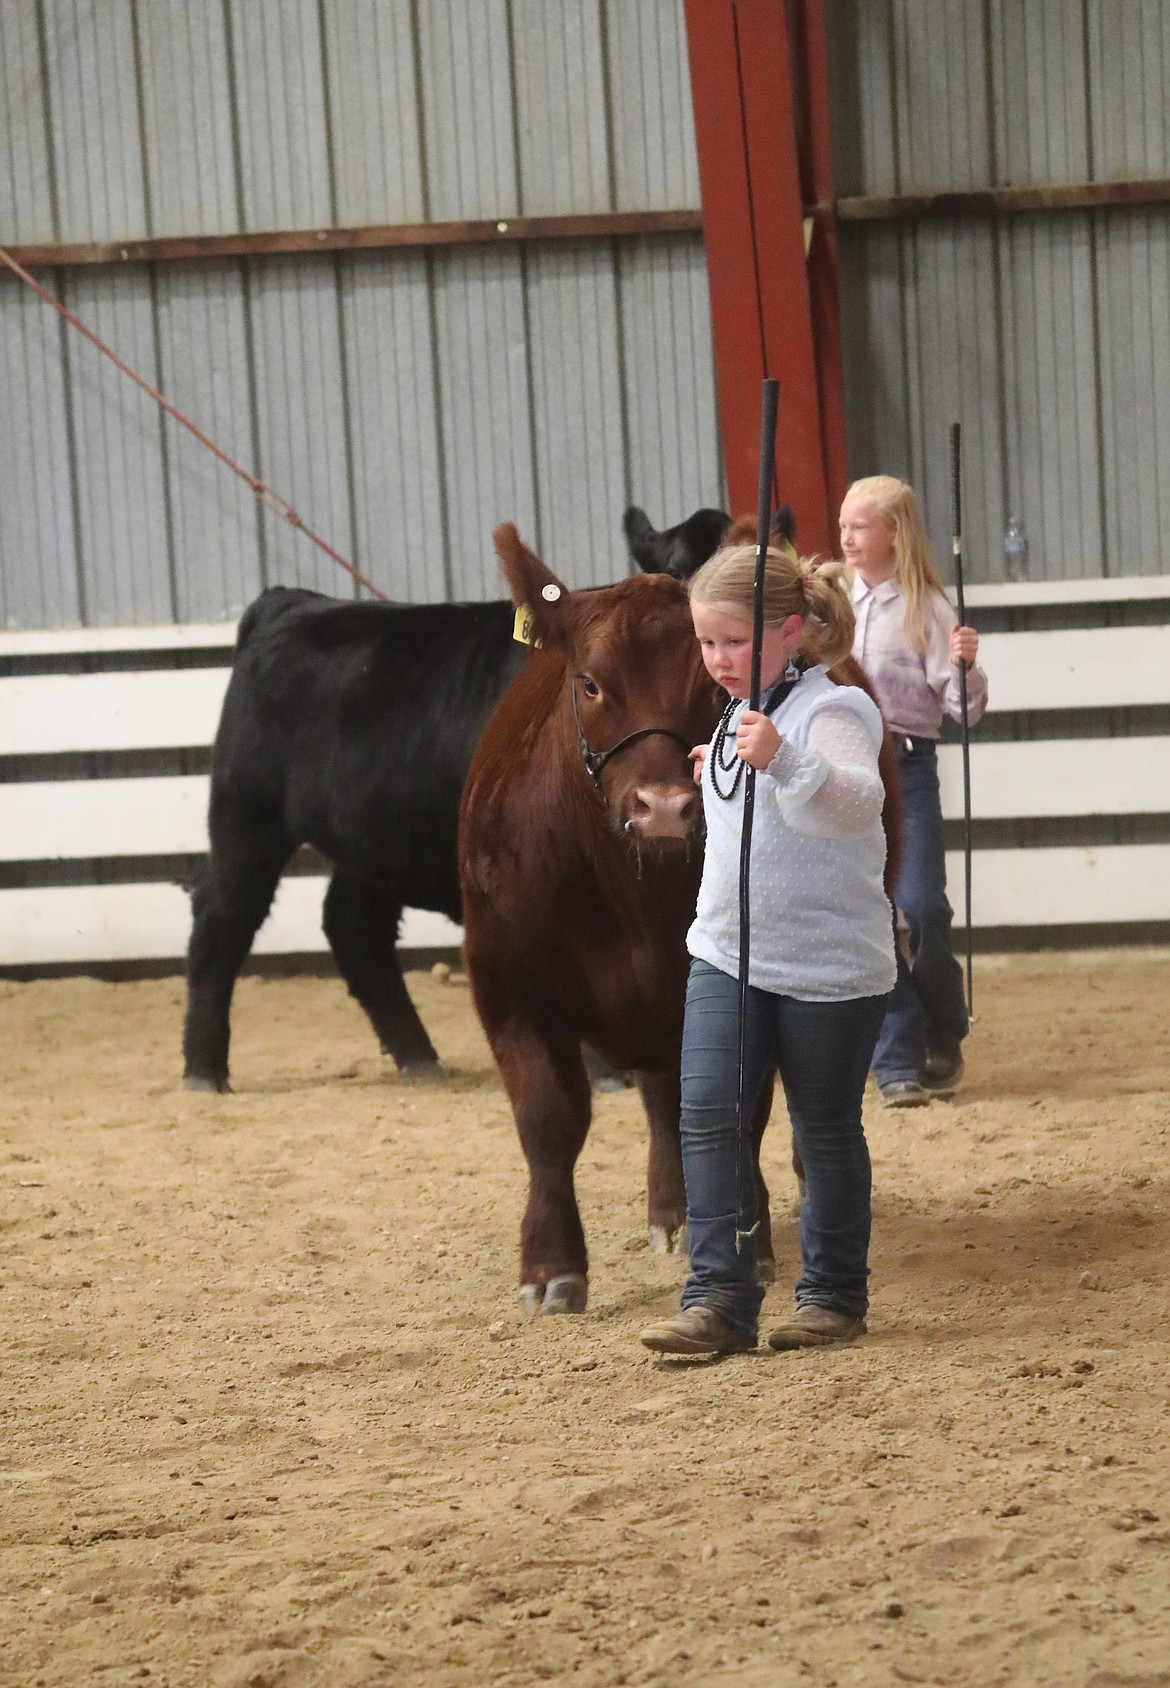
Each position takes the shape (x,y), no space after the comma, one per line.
(47,821)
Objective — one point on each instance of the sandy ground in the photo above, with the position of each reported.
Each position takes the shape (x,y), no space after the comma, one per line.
(270,1418)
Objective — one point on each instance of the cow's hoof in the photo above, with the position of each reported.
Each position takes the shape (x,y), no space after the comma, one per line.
(667,1239)
(766,1271)
(567,1294)
(422,1072)
(196,1081)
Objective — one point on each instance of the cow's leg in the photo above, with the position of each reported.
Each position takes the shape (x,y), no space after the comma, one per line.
(666,1194)
(228,903)
(765,1250)
(666,1197)
(361,924)
(549,1090)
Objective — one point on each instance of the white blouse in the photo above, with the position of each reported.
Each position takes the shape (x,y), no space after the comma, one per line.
(821,924)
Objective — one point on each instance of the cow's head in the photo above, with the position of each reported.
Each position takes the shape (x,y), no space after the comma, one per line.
(682,550)
(635,698)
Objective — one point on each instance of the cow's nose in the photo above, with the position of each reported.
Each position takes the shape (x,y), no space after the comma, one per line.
(657,811)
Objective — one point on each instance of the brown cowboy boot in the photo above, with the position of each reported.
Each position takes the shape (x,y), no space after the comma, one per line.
(697,1330)
(815,1327)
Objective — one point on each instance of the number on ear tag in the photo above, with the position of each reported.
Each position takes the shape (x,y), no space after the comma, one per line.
(522,628)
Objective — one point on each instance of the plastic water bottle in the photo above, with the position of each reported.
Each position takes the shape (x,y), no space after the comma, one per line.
(1015,550)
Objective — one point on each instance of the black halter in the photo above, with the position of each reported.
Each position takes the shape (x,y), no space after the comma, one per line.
(595,760)
(735,766)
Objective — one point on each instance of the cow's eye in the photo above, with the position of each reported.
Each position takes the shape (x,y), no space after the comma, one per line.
(589,686)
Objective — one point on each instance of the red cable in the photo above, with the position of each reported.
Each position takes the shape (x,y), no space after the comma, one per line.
(265,494)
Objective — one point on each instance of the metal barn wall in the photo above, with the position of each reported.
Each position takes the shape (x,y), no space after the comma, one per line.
(1046,334)
(404,401)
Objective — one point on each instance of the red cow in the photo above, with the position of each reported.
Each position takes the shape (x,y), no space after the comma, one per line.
(579,857)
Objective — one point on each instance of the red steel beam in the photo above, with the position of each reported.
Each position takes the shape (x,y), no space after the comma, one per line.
(810,40)
(753,213)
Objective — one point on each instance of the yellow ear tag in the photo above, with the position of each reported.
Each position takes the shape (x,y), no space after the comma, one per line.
(522,628)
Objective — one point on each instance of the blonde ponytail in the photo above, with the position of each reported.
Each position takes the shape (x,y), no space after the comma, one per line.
(830,620)
(793,585)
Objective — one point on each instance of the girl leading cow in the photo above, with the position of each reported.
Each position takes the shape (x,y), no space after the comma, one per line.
(822,959)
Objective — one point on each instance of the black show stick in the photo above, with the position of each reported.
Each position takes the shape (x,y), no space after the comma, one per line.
(957,546)
(769,406)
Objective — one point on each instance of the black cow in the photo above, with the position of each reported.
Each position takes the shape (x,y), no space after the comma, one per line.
(347,726)
(350,727)
(682,550)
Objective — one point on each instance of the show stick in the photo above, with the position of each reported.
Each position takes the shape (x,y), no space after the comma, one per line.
(769,406)
(957,546)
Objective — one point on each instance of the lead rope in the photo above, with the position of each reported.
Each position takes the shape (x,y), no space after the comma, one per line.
(271,500)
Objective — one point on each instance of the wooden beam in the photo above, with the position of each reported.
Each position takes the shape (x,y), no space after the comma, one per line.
(375,237)
(994,202)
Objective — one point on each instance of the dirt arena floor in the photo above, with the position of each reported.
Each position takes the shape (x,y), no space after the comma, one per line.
(270,1417)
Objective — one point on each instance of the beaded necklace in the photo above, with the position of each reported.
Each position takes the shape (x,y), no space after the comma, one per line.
(720,763)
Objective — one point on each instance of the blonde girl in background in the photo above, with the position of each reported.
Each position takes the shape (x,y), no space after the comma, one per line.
(821,963)
(910,644)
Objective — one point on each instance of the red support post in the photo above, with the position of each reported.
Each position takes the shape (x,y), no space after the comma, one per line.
(808,18)
(753,217)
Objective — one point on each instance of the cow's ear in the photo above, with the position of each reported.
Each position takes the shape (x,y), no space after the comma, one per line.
(533,587)
(643,540)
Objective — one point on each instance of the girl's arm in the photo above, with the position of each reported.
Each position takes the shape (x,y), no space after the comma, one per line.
(942,674)
(833,788)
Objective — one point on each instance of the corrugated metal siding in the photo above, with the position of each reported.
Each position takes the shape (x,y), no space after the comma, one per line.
(467,98)
(284,134)
(578,423)
(485,376)
(672,424)
(561,139)
(121,497)
(398,484)
(403,402)
(651,117)
(27,194)
(1044,334)
(93,109)
(38,554)
(303,424)
(204,349)
(1133,256)
(373,110)
(1129,88)
(187,122)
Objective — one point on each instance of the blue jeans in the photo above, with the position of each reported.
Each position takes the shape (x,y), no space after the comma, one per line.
(927,1010)
(823,1051)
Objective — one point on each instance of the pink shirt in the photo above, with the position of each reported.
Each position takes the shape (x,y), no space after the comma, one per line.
(913,690)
